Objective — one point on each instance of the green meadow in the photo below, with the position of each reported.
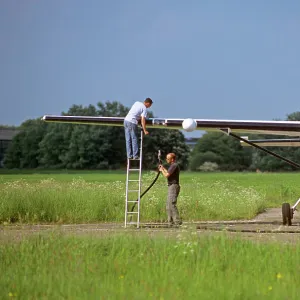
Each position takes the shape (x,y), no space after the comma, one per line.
(129,264)
(100,196)
(125,266)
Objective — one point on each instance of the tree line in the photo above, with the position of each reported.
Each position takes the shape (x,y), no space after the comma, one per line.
(217,151)
(73,146)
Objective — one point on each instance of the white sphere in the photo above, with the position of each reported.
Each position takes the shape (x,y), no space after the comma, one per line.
(189,125)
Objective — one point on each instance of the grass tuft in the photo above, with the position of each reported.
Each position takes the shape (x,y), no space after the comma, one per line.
(130,267)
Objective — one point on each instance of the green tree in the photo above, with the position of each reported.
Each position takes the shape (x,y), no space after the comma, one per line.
(12,158)
(166,141)
(58,145)
(266,162)
(24,148)
(54,146)
(198,159)
(221,149)
(295,116)
(85,146)
(112,109)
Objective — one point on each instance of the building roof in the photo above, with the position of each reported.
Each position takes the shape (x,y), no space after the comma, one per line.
(7,134)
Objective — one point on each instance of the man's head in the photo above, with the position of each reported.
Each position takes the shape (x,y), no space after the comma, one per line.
(148,102)
(171,157)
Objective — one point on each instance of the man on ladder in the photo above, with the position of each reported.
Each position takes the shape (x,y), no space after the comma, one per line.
(137,112)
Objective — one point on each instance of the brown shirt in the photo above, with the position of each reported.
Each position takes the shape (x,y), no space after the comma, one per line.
(174,174)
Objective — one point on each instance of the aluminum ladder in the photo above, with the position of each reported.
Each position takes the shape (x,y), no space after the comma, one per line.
(133,188)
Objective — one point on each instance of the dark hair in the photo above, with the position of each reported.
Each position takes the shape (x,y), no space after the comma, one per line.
(148,100)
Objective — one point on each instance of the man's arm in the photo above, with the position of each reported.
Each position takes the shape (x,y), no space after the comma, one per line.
(143,122)
(169,172)
(164,171)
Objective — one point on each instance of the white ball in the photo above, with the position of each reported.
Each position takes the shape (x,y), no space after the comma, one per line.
(189,125)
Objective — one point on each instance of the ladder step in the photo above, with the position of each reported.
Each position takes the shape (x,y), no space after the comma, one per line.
(133,187)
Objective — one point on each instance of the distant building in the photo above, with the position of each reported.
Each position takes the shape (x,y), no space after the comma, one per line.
(6,136)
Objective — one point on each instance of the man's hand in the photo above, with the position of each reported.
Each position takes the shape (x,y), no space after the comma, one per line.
(146,132)
(163,171)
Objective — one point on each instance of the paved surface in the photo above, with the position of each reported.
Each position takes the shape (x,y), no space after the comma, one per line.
(266,227)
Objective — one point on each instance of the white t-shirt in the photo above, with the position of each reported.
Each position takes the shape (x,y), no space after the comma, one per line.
(137,111)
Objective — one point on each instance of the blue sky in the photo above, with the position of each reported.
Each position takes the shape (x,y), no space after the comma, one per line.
(195,59)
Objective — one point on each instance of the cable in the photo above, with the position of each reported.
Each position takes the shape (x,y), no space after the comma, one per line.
(151,185)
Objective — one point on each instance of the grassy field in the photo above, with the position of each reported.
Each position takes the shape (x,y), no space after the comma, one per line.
(185,265)
(100,196)
(128,267)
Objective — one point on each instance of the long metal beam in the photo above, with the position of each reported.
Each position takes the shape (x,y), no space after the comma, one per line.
(290,162)
(290,128)
(274,142)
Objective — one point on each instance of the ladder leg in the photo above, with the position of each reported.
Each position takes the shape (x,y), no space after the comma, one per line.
(140,179)
(129,190)
(126,193)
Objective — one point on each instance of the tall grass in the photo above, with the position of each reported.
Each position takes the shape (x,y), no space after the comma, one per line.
(94,197)
(50,200)
(143,267)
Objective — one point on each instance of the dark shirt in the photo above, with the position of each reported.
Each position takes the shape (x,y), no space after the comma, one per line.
(174,174)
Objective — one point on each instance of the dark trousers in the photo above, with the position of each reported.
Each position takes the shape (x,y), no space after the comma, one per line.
(172,211)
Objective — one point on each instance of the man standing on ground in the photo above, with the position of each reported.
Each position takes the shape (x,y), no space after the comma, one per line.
(137,112)
(172,174)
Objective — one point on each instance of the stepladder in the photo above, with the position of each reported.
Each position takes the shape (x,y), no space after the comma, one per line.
(133,188)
